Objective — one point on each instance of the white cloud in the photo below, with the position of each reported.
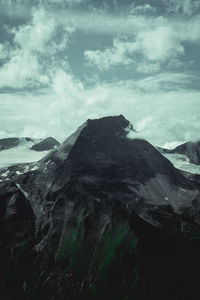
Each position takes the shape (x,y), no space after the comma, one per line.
(4,134)
(160,44)
(175,29)
(19,71)
(147,67)
(170,116)
(3,52)
(114,24)
(41,2)
(33,56)
(66,86)
(161,107)
(36,35)
(63,1)
(183,7)
(141,9)
(164,82)
(106,23)
(23,67)
(143,124)
(157,45)
(158,39)
(116,55)
(189,31)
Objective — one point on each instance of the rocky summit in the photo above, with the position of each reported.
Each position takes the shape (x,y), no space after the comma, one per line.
(102,216)
(46,144)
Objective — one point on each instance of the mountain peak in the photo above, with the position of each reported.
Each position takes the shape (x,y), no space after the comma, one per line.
(111,124)
(101,148)
(99,132)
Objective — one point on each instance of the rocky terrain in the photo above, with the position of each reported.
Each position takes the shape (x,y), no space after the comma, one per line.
(102,216)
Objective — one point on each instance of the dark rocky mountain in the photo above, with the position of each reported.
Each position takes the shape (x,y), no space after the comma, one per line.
(46,144)
(190,149)
(100,217)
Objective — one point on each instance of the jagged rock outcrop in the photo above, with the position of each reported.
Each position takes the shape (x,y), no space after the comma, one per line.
(46,144)
(101,216)
(8,143)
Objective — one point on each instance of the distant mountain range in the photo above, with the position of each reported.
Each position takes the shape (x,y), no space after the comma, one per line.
(38,144)
(101,216)
(190,150)
(24,150)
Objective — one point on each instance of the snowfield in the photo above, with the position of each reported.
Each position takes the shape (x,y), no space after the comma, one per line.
(20,154)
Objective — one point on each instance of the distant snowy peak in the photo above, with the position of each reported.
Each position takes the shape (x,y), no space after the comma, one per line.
(189,149)
(24,150)
(185,157)
(32,143)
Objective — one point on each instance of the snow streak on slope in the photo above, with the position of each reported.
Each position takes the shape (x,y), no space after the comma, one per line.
(20,154)
(182,162)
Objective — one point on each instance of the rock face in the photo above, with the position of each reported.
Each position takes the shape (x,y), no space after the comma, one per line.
(191,150)
(8,143)
(101,216)
(46,144)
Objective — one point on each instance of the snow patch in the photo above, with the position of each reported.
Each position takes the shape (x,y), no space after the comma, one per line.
(182,162)
(34,168)
(5,174)
(20,154)
(20,188)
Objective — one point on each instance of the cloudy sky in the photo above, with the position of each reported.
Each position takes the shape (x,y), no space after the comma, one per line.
(64,61)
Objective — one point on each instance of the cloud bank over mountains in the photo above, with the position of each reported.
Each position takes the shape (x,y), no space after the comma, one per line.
(64,61)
